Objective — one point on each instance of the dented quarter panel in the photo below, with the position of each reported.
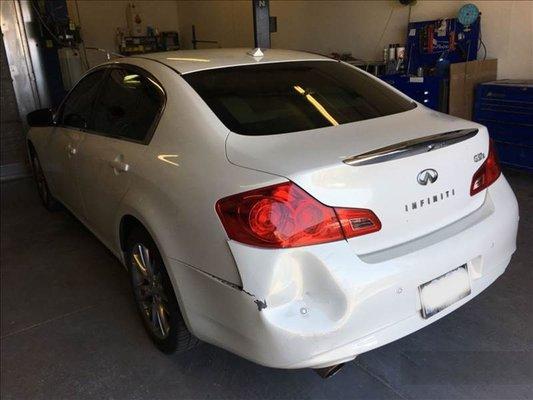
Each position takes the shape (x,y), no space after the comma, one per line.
(351,305)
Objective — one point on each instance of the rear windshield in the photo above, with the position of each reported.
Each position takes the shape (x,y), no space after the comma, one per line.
(268,99)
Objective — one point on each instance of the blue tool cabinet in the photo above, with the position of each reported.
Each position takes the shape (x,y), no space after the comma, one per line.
(426,90)
(505,107)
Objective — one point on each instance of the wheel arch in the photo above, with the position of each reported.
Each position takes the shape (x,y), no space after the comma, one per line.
(127,224)
(130,219)
(30,151)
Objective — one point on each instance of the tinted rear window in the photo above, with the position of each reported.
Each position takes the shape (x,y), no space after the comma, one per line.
(293,96)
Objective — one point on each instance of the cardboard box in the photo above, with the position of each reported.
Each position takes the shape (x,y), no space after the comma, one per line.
(464,77)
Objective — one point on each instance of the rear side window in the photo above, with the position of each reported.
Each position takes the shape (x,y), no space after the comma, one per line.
(77,107)
(128,106)
(293,96)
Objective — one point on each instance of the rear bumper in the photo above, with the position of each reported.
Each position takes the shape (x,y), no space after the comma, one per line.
(321,305)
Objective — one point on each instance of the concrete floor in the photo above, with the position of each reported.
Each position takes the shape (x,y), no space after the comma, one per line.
(69,330)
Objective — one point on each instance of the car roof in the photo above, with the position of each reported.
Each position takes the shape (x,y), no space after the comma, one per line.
(186,61)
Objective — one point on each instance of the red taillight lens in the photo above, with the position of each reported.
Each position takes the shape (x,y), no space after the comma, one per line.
(487,174)
(284,215)
(357,222)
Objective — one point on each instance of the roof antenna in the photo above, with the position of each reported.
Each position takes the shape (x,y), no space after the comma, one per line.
(256,52)
(108,53)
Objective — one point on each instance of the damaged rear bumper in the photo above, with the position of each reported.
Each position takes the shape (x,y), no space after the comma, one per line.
(321,305)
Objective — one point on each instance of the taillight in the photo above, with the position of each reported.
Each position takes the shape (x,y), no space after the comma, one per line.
(487,174)
(284,215)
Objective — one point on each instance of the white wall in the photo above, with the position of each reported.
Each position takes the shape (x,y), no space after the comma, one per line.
(507,29)
(357,26)
(99,20)
(339,26)
(228,22)
(321,26)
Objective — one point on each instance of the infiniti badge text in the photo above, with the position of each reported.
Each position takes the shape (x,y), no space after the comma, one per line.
(434,198)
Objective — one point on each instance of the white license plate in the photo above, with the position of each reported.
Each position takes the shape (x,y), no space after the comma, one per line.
(443,291)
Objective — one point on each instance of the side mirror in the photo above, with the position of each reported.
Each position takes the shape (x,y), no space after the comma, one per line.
(42,117)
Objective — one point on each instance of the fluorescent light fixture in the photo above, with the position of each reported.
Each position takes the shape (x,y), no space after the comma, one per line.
(299,89)
(319,107)
(165,158)
(188,59)
(134,78)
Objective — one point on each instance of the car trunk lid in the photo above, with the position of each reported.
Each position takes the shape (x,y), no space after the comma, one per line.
(354,165)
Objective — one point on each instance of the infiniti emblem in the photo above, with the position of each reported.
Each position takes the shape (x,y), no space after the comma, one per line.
(427,176)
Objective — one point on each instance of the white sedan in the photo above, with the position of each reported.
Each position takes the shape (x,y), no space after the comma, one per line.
(287,207)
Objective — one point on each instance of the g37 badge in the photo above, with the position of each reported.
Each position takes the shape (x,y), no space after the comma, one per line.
(479,156)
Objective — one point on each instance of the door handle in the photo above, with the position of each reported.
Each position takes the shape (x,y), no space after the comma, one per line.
(119,166)
(71,150)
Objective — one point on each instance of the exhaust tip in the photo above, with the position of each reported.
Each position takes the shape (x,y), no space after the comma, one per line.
(328,372)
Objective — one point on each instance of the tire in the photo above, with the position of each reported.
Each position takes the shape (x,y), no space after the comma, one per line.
(48,200)
(154,295)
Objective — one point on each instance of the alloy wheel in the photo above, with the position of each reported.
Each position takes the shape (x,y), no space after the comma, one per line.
(149,291)
(40,179)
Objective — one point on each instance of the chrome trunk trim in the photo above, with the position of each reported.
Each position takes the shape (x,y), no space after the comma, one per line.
(411,147)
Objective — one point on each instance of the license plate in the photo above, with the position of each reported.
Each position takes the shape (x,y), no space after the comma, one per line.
(443,291)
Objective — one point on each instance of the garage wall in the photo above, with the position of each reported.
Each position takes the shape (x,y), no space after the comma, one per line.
(340,26)
(357,26)
(99,19)
(228,22)
(507,29)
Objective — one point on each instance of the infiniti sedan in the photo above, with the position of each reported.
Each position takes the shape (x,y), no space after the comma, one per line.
(285,206)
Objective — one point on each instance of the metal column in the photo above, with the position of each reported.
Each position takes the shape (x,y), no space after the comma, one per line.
(25,61)
(261,10)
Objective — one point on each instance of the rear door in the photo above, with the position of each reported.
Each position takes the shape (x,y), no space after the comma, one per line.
(125,116)
(73,120)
